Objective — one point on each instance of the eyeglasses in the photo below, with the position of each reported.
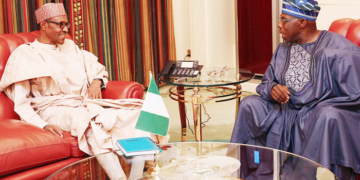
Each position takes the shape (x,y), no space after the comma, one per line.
(286,20)
(61,24)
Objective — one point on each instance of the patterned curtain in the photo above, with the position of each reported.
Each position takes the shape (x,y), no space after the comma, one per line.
(130,37)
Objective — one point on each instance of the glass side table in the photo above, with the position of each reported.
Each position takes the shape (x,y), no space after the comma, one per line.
(205,160)
(219,86)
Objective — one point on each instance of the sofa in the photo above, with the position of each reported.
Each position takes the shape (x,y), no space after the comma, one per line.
(28,152)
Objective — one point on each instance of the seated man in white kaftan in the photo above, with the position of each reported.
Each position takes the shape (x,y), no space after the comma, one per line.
(57,87)
(309,101)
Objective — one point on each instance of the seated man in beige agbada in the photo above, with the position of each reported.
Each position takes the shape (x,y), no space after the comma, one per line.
(57,87)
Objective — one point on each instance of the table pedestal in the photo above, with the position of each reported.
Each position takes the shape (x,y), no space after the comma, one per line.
(197,100)
(196,104)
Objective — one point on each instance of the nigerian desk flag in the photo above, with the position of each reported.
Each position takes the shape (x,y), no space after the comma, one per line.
(153,117)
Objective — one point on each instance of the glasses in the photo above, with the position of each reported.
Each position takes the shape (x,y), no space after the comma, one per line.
(286,20)
(61,24)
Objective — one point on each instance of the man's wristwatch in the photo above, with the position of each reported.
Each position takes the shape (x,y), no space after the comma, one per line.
(102,86)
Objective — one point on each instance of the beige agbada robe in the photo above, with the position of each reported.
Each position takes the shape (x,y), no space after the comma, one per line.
(48,85)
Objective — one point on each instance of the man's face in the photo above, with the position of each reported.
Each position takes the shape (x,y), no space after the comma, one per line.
(54,33)
(289,27)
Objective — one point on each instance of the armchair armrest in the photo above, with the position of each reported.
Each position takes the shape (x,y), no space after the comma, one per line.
(122,90)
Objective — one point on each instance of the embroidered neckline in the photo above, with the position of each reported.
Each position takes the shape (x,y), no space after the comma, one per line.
(309,47)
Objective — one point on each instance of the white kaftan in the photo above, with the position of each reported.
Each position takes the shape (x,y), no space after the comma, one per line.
(48,85)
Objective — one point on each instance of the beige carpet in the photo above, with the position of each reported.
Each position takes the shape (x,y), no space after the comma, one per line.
(219,126)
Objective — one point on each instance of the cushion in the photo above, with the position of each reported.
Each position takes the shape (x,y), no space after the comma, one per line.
(24,146)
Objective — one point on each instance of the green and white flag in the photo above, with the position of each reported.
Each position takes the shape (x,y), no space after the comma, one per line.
(153,117)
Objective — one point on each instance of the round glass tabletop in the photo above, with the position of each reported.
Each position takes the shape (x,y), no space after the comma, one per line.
(210,78)
(205,160)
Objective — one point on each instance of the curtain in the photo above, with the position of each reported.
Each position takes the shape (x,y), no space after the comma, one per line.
(130,37)
(254,34)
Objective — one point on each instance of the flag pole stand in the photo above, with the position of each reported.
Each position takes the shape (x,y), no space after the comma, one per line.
(155,169)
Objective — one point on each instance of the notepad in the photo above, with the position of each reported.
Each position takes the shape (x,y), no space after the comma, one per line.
(137,146)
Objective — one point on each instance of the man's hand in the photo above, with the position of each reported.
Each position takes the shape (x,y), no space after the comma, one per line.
(280,94)
(94,90)
(53,129)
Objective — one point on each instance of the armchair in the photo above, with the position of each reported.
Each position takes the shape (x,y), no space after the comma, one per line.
(347,27)
(28,152)
(350,29)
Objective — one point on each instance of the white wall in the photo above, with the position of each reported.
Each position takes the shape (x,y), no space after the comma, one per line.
(336,9)
(182,27)
(207,27)
(210,32)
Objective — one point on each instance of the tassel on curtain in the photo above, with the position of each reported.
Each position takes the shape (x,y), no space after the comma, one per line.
(130,37)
